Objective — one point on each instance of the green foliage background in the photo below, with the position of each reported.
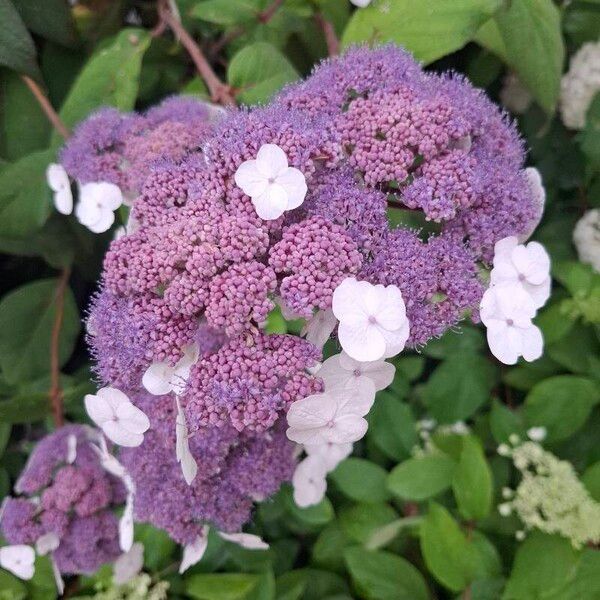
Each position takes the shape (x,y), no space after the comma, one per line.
(395,526)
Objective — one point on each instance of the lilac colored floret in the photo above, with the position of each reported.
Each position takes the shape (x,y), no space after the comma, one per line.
(233,471)
(74,500)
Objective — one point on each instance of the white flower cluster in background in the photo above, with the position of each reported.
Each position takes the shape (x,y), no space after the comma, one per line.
(514,95)
(372,326)
(580,84)
(519,285)
(97,200)
(586,237)
(550,497)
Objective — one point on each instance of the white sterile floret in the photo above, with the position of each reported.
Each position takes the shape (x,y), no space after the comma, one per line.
(71,448)
(193,552)
(343,371)
(335,416)
(121,421)
(361,3)
(245,540)
(47,543)
(580,84)
(586,237)
(319,327)
(273,185)
(19,560)
(506,311)
(96,206)
(309,481)
(522,265)
(189,467)
(330,454)
(59,183)
(161,378)
(538,196)
(129,564)
(373,323)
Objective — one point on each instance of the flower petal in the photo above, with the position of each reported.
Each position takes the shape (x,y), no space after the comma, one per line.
(272,203)
(533,343)
(309,481)
(121,436)
(126,526)
(129,564)
(312,411)
(292,180)
(347,428)
(132,418)
(250,179)
(193,553)
(19,560)
(271,160)
(57,177)
(63,201)
(98,409)
(157,378)
(365,343)
(245,540)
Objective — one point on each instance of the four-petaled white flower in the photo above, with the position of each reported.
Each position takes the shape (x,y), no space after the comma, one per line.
(59,183)
(273,185)
(189,467)
(121,421)
(373,323)
(309,481)
(506,311)
(96,206)
(245,540)
(129,564)
(319,327)
(161,378)
(524,265)
(368,378)
(19,560)
(193,552)
(330,454)
(335,416)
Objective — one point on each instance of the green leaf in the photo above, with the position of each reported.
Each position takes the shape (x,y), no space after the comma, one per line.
(225,12)
(451,558)
(361,480)
(50,19)
(318,585)
(258,71)
(11,587)
(527,35)
(384,576)
(361,521)
(429,29)
(24,127)
(577,350)
(469,340)
(472,481)
(328,549)
(25,200)
(158,546)
(458,387)
(316,515)
(110,78)
(422,477)
(26,318)
(17,50)
(505,422)
(542,566)
(561,404)
(591,480)
(220,586)
(392,426)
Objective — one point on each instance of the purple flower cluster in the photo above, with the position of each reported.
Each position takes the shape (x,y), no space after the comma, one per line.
(64,490)
(234,470)
(367,130)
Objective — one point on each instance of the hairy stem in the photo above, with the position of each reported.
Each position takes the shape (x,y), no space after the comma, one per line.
(219,91)
(333,45)
(49,111)
(55,394)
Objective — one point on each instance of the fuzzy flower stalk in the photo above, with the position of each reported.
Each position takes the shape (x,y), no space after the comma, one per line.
(285,206)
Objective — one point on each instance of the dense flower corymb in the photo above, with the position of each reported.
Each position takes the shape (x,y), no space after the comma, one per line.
(286,205)
(64,490)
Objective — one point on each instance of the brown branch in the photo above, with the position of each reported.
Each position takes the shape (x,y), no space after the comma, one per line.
(333,45)
(219,91)
(55,394)
(46,106)
(266,15)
